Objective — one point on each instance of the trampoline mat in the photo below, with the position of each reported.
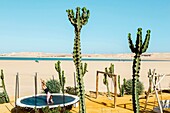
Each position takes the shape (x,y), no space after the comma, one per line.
(42,101)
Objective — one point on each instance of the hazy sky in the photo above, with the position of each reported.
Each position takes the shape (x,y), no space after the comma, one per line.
(43,25)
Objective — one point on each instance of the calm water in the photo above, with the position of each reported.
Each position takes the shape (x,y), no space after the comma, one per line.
(70,59)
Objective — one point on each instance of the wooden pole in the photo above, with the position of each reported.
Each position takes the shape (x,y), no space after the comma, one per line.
(75,82)
(115,90)
(147,95)
(18,84)
(63,91)
(16,89)
(97,79)
(114,79)
(155,86)
(151,77)
(35,78)
(35,84)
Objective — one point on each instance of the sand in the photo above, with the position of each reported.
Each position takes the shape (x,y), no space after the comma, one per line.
(46,69)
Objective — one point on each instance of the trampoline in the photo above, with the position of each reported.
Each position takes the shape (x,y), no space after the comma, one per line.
(39,101)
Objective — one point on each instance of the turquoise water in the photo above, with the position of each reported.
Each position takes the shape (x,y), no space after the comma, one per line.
(69,59)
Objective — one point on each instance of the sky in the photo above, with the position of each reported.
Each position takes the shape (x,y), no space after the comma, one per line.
(43,25)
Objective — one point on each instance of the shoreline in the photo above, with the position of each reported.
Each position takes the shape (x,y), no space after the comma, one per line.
(101,59)
(146,56)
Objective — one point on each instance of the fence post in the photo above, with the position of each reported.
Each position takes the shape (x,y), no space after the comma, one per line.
(35,78)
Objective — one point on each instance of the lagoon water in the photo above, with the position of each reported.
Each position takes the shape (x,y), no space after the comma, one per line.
(61,58)
(69,59)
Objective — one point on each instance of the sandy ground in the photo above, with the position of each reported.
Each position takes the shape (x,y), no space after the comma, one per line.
(46,69)
(101,105)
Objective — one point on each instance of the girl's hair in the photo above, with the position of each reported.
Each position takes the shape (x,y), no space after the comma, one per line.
(43,82)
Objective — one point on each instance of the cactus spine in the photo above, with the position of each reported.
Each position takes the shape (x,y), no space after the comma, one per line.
(3,86)
(121,87)
(60,74)
(78,21)
(139,48)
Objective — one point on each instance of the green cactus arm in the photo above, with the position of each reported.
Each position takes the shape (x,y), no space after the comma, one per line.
(123,86)
(84,68)
(106,70)
(131,46)
(2,75)
(78,25)
(77,12)
(138,42)
(85,16)
(63,81)
(124,82)
(119,83)
(111,68)
(60,74)
(146,42)
(120,86)
(58,69)
(71,16)
(105,80)
(57,66)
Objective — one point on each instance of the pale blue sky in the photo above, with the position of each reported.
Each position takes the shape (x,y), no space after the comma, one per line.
(43,25)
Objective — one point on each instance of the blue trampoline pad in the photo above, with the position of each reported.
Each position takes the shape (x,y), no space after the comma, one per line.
(41,100)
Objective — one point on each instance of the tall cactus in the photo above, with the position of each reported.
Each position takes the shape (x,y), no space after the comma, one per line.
(121,87)
(3,86)
(138,49)
(60,74)
(78,21)
(105,80)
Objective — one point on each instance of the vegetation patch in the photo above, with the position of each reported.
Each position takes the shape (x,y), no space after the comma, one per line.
(53,86)
(128,87)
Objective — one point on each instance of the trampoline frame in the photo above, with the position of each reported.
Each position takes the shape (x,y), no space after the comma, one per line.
(18,102)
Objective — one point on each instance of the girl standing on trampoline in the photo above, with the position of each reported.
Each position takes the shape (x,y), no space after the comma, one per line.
(46,90)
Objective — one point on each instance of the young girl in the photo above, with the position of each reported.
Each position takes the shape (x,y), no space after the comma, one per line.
(49,96)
